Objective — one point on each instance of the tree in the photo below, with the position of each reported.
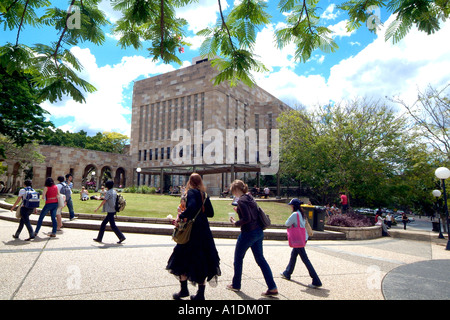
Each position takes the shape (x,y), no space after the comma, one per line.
(107,141)
(21,118)
(431,113)
(356,147)
(230,44)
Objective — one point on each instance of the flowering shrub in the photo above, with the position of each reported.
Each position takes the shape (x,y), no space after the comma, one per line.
(350,219)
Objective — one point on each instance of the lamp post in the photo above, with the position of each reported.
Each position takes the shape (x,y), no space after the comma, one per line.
(443,173)
(437,194)
(138,170)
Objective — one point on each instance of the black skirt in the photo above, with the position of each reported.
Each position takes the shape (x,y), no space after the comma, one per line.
(198,259)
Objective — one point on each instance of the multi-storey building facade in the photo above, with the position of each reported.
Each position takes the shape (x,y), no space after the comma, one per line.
(188,99)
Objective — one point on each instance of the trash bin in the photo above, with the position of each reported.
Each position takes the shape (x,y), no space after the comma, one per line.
(309,212)
(319,218)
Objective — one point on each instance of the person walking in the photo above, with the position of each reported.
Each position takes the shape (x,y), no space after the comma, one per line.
(197,260)
(109,206)
(69,201)
(251,236)
(24,212)
(404,220)
(292,221)
(50,194)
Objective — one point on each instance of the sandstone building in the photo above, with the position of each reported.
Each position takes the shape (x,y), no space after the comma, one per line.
(184,99)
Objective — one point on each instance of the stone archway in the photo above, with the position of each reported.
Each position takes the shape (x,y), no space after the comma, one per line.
(120,178)
(89,176)
(105,175)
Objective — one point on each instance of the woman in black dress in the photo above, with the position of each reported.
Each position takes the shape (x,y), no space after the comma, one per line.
(198,260)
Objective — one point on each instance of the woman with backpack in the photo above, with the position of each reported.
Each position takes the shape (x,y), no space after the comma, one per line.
(297,211)
(109,206)
(24,212)
(251,237)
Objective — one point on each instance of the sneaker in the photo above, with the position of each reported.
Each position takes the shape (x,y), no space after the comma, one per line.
(284,276)
(230,287)
(270,293)
(97,240)
(313,286)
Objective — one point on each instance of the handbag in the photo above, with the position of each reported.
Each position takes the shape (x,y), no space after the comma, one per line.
(182,233)
(296,235)
(61,201)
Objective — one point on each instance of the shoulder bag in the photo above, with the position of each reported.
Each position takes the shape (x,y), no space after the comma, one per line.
(296,235)
(182,233)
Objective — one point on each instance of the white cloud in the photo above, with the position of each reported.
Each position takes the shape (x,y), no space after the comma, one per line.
(269,54)
(104,109)
(340,29)
(380,69)
(201,15)
(329,13)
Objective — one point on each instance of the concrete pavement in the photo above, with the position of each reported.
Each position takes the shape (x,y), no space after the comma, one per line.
(72,266)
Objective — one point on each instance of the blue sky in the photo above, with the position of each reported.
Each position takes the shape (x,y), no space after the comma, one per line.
(365,65)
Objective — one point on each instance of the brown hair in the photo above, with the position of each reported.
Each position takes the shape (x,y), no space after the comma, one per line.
(195,182)
(239,185)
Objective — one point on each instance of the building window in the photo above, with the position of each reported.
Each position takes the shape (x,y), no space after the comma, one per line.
(150,154)
(156,153)
(162,153)
(139,155)
(145,155)
(168,152)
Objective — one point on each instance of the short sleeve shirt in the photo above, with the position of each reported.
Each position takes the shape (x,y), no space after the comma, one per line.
(110,204)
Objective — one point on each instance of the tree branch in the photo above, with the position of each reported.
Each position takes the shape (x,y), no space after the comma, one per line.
(162,29)
(225,25)
(21,22)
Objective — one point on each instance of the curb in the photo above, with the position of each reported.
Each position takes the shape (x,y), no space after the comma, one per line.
(161,226)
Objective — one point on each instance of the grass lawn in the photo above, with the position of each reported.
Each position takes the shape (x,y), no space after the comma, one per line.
(157,206)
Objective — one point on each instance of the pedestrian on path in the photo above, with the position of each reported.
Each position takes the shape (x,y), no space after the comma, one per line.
(24,212)
(198,259)
(292,220)
(69,201)
(109,206)
(251,237)
(50,194)
(404,220)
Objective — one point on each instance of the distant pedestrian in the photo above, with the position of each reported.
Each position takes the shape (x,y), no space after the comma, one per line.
(251,236)
(197,260)
(404,220)
(69,201)
(50,194)
(24,212)
(344,202)
(109,206)
(292,221)
(388,220)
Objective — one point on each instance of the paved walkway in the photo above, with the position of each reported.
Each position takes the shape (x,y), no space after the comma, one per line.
(72,266)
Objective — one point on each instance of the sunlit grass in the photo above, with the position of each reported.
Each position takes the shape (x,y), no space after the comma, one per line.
(159,206)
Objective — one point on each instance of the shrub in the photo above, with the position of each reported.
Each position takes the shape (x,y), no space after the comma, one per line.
(350,219)
(140,189)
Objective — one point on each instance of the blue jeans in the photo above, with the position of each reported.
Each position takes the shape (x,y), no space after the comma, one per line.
(290,268)
(52,207)
(251,239)
(70,207)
